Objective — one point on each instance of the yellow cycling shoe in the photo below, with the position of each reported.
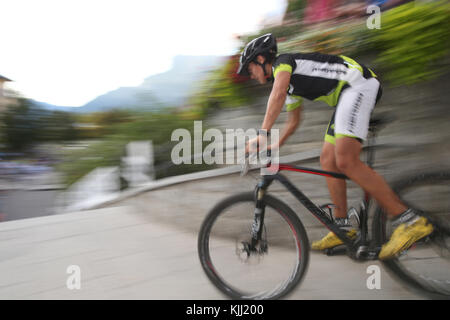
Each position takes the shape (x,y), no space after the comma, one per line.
(404,236)
(331,241)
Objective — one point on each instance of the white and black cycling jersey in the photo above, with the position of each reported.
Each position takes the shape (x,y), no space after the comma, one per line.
(317,76)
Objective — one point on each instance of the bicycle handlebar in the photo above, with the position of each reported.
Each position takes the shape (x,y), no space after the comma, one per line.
(245,166)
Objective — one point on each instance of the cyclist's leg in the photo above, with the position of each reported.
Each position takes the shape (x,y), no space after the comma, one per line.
(352,123)
(338,192)
(336,187)
(347,155)
(410,227)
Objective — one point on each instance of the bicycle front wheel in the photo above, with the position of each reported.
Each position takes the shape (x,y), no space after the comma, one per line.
(270,271)
(425,265)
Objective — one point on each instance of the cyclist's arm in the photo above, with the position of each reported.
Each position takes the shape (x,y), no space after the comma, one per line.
(276,99)
(293,120)
(275,104)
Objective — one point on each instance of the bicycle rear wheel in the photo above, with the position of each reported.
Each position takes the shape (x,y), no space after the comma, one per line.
(270,272)
(425,265)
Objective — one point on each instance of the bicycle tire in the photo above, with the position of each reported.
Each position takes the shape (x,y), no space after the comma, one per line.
(422,284)
(286,213)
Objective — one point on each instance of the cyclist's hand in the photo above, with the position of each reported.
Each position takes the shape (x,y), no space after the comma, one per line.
(252,146)
(273,146)
(256,144)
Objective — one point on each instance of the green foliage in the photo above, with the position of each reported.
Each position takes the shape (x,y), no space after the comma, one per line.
(221,89)
(224,89)
(23,125)
(413,40)
(295,8)
(350,38)
(98,124)
(76,164)
(412,44)
(157,127)
(57,126)
(279,31)
(110,117)
(20,124)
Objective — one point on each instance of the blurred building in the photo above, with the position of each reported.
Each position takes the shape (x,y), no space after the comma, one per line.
(2,81)
(7,97)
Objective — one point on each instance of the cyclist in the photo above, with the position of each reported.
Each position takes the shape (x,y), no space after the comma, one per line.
(353,89)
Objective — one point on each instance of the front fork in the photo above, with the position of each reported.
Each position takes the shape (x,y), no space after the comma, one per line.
(259,213)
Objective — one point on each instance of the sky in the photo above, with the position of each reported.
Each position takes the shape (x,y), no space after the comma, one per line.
(67,52)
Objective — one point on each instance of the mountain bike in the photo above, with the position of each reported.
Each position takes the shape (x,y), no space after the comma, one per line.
(252,245)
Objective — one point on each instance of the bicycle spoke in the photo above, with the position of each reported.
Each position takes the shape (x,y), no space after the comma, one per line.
(258,272)
(246,269)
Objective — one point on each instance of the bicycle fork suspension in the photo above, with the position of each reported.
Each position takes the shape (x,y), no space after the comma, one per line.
(258,220)
(259,213)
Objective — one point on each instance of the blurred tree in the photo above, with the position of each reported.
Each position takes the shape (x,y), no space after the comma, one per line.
(20,125)
(157,127)
(24,125)
(57,126)
(110,117)
(414,41)
(295,9)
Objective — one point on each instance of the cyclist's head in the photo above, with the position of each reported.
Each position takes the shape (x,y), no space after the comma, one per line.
(264,46)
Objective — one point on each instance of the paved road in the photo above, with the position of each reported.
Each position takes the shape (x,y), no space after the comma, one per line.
(22,204)
(124,254)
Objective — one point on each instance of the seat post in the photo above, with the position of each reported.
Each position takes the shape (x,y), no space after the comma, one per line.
(376,124)
(371,141)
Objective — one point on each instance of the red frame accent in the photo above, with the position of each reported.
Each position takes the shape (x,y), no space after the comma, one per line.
(289,168)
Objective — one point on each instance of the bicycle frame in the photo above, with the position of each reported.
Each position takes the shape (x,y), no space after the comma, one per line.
(267,180)
(358,248)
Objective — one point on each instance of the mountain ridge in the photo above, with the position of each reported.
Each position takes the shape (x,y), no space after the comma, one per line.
(166,89)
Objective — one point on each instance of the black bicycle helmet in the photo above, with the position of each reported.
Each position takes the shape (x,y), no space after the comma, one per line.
(265,45)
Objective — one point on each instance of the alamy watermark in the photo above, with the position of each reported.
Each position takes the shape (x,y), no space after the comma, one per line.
(374,280)
(225,148)
(374,20)
(74,280)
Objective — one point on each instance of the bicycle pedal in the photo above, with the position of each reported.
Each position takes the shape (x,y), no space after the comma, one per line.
(373,253)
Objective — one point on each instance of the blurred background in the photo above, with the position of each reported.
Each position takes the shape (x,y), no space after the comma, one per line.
(54,157)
